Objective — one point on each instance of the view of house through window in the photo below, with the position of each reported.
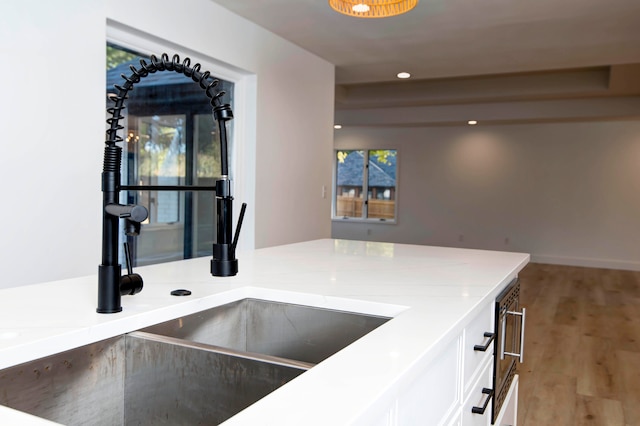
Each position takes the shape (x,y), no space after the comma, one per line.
(170,139)
(365,184)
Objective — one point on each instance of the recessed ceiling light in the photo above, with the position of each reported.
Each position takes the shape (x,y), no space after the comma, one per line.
(337,126)
(404,75)
(472,122)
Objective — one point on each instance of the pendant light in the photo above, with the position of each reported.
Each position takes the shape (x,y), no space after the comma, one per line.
(372,8)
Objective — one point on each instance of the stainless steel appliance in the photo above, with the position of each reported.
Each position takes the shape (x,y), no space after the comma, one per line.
(509,346)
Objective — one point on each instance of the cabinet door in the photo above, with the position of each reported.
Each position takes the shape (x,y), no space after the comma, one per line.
(478,333)
(477,398)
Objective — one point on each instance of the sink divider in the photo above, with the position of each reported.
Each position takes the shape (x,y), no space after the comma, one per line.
(276,360)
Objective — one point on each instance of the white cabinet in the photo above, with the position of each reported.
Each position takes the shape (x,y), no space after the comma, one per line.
(445,392)
(456,420)
(477,368)
(474,335)
(478,375)
(435,394)
(476,398)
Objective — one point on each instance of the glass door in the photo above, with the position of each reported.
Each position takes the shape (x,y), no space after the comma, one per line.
(156,151)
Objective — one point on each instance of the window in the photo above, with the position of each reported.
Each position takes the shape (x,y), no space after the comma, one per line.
(170,139)
(365,184)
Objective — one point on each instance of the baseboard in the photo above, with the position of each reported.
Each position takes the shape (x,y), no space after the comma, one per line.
(627,265)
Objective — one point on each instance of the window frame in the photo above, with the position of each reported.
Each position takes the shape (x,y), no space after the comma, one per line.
(365,188)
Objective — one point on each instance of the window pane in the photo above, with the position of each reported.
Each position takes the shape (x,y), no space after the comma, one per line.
(381,194)
(349,183)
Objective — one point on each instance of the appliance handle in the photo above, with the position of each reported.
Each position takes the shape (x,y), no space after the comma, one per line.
(502,335)
(522,316)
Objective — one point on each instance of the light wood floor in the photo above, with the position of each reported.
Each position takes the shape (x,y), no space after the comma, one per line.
(582,350)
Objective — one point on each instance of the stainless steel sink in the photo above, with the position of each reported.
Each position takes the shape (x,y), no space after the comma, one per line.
(137,379)
(297,332)
(200,369)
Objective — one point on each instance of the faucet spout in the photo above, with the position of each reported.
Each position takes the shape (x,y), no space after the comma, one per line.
(224,262)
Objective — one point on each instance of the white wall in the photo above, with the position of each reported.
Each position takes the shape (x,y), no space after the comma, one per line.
(565,192)
(52,123)
(53,113)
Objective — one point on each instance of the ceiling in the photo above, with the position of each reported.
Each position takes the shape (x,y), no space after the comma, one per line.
(456,38)
(525,60)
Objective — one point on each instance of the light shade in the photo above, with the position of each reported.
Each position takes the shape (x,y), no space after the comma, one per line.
(372,8)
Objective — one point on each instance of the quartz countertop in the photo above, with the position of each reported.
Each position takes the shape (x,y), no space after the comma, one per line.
(428,291)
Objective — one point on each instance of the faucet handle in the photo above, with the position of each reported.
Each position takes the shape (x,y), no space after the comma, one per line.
(132,212)
(224,262)
(127,258)
(239,225)
(131,283)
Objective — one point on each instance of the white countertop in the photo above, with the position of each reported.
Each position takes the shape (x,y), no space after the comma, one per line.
(428,290)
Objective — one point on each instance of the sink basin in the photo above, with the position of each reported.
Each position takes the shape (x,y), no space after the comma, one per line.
(141,380)
(296,332)
(200,369)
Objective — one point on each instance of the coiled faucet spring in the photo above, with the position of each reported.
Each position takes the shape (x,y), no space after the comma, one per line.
(111,284)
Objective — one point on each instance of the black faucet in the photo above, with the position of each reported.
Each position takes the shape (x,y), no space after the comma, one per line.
(111,284)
